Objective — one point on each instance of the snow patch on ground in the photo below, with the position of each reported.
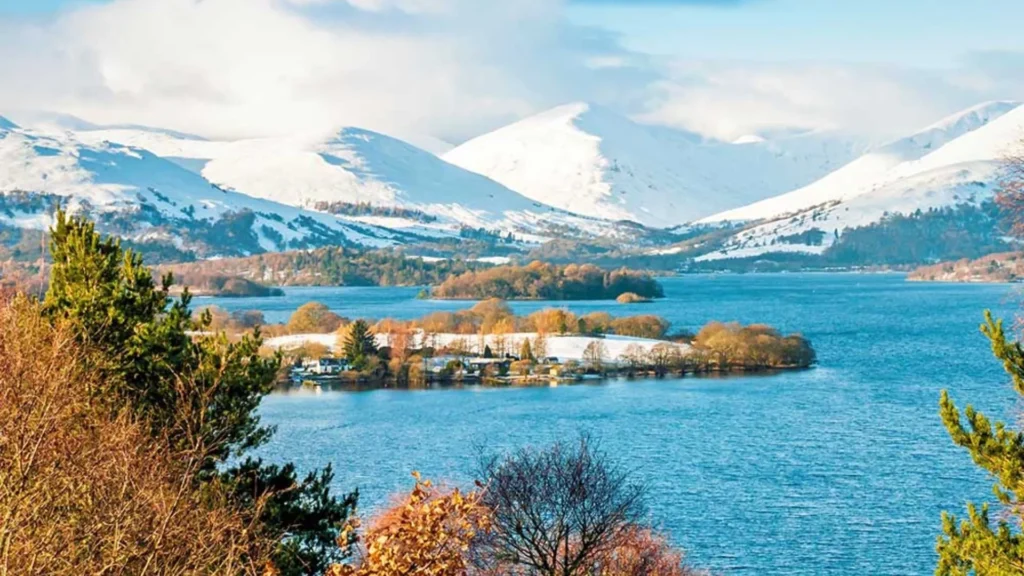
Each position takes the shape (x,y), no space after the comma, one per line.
(565,348)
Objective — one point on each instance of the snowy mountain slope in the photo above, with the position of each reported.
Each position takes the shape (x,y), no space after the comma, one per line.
(358,166)
(141,196)
(589,160)
(965,170)
(859,175)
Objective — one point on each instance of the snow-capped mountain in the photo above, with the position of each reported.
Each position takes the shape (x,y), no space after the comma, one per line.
(860,174)
(138,195)
(954,162)
(589,160)
(357,166)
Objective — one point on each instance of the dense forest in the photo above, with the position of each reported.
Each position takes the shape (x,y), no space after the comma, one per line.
(897,241)
(965,231)
(543,281)
(334,266)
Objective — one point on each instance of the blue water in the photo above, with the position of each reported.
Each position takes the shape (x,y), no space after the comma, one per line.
(843,469)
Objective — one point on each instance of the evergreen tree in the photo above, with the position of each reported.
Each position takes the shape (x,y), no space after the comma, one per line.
(488,353)
(192,391)
(360,345)
(526,351)
(975,546)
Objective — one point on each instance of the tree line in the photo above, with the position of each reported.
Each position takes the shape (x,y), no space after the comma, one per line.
(542,281)
(491,329)
(332,266)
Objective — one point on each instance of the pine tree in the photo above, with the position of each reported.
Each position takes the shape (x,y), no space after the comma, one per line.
(526,351)
(190,391)
(975,546)
(360,345)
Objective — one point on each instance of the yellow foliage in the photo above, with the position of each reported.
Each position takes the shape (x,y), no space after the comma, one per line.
(85,491)
(429,534)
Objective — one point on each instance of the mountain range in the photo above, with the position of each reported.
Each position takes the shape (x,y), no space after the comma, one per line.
(955,162)
(577,171)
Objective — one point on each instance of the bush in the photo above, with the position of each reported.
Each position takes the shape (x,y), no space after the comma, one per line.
(428,533)
(314,318)
(645,326)
(753,347)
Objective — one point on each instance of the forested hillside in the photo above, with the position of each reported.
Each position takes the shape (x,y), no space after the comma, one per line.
(333,266)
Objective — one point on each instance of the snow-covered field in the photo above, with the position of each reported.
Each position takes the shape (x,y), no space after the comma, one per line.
(564,348)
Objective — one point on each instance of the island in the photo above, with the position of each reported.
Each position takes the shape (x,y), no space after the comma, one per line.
(489,344)
(632,298)
(543,281)
(221,285)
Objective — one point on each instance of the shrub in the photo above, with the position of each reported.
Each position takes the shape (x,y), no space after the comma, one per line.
(644,326)
(314,318)
(429,533)
(754,346)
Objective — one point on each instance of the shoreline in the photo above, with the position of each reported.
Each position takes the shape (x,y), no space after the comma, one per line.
(363,384)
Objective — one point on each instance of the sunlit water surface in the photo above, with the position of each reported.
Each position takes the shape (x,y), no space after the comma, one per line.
(842,469)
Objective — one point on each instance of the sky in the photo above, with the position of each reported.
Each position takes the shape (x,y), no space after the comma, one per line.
(453,69)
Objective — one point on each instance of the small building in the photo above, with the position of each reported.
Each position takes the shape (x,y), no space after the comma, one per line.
(496,364)
(326,366)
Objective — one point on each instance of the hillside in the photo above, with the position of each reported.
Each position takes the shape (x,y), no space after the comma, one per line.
(585,158)
(331,266)
(145,198)
(360,167)
(863,172)
(951,164)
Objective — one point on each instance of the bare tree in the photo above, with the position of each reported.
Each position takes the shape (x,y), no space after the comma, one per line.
(595,354)
(556,512)
(1010,196)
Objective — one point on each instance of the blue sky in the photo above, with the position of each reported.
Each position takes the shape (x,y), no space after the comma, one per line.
(926,33)
(36,6)
(908,32)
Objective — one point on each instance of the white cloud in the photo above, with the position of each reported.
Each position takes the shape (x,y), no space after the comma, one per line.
(445,68)
(732,99)
(239,67)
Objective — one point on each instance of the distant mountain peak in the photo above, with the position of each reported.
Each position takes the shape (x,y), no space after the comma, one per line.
(985,111)
(865,172)
(954,162)
(592,160)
